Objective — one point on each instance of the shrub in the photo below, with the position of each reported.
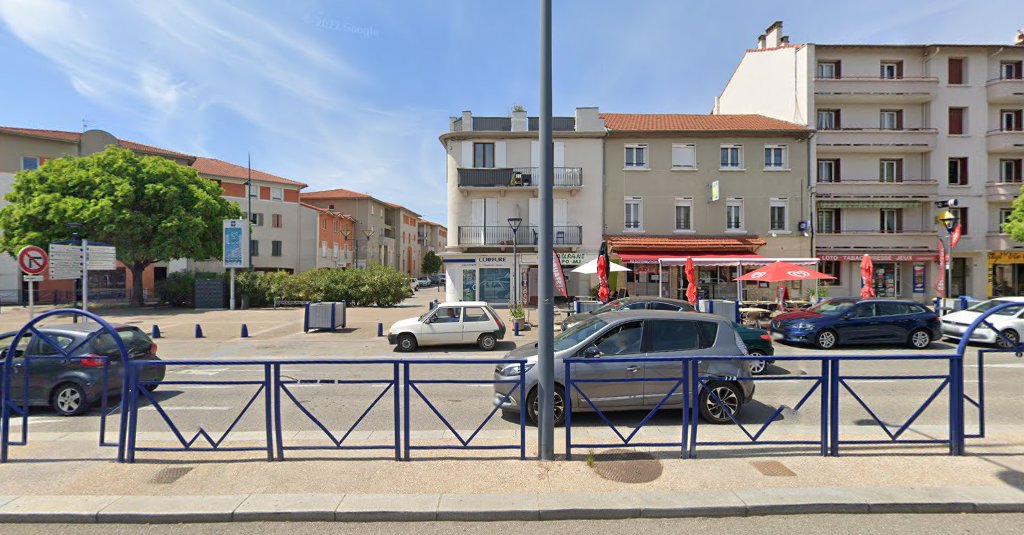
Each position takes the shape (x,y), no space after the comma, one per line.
(262,287)
(373,286)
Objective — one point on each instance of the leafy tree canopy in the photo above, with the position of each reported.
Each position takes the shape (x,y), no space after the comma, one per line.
(431,262)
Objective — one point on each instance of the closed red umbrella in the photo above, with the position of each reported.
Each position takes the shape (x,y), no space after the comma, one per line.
(602,273)
(867,272)
(691,282)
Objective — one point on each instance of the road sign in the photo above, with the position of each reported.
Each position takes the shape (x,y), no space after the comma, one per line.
(65,261)
(102,257)
(32,260)
(32,278)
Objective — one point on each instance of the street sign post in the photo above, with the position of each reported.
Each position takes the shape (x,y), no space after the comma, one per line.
(69,261)
(236,249)
(32,260)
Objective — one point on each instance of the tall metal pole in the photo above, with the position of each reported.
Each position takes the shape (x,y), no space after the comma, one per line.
(248,195)
(85,274)
(546,286)
(949,265)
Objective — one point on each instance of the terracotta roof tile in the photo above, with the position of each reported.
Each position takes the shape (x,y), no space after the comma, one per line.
(339,193)
(75,137)
(682,122)
(327,211)
(212,166)
(680,243)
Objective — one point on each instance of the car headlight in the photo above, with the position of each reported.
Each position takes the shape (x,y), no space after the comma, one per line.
(803,326)
(513,369)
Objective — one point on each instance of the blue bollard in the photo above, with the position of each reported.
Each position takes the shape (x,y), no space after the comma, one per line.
(245,331)
(380,329)
(156,331)
(515,328)
(199,331)
(963,303)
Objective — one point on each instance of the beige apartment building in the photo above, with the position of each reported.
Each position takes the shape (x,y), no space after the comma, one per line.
(431,236)
(379,229)
(900,127)
(726,191)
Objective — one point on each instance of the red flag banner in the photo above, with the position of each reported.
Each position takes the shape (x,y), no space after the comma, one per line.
(559,275)
(954,237)
(940,280)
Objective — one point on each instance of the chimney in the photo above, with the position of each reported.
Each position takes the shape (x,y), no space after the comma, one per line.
(519,122)
(760,42)
(467,121)
(1020,38)
(773,35)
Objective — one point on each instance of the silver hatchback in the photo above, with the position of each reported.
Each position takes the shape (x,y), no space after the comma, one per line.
(640,333)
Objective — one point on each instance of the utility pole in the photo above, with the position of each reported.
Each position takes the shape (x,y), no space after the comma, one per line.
(248,195)
(546,289)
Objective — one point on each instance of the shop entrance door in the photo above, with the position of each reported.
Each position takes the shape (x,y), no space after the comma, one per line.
(887,279)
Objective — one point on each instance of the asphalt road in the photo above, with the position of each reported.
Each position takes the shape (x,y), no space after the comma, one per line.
(923,524)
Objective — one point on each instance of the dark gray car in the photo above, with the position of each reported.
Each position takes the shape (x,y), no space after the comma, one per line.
(71,386)
(641,333)
(631,303)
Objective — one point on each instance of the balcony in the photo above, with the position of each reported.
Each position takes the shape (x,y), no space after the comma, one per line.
(876,140)
(870,188)
(501,236)
(1002,191)
(874,90)
(518,177)
(1005,141)
(853,240)
(1005,91)
(997,241)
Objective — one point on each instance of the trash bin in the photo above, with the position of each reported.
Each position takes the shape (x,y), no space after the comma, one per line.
(324,316)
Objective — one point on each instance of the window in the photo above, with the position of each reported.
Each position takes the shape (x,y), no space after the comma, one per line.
(829,221)
(1010,70)
(336,250)
(684,156)
(891,70)
(956,121)
(275,248)
(474,314)
(776,157)
(622,340)
(1010,171)
(961,213)
(668,335)
(778,214)
(834,268)
(330,207)
(323,222)
(276,220)
(634,219)
(890,220)
(684,213)
(890,170)
(732,157)
(1004,218)
(636,157)
(257,219)
(1010,120)
(864,310)
(254,247)
(956,71)
(337,226)
(323,249)
(254,190)
(828,171)
(483,154)
(891,120)
(828,119)
(447,315)
(658,305)
(29,162)
(277,194)
(828,69)
(958,171)
(734,214)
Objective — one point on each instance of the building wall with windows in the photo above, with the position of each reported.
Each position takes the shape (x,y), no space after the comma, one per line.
(328,238)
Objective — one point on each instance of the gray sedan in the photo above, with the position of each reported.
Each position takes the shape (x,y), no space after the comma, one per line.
(641,334)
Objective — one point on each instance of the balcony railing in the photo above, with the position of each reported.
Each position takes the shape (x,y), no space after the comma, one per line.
(517,177)
(499,235)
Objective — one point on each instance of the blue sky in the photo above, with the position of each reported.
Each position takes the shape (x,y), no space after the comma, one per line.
(354,93)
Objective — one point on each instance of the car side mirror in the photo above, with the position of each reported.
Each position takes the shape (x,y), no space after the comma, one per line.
(591,352)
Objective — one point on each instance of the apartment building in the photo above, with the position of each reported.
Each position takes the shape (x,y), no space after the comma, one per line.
(375,223)
(898,128)
(407,248)
(328,237)
(493,211)
(720,189)
(431,236)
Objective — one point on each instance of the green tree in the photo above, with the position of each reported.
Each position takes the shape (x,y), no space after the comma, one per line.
(151,209)
(1015,226)
(431,262)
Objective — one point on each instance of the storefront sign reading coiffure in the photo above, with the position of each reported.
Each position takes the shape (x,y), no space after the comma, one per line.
(494,261)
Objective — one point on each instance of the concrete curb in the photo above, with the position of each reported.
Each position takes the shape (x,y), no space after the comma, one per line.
(532,506)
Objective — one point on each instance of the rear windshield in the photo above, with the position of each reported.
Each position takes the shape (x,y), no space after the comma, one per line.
(135,341)
(985,306)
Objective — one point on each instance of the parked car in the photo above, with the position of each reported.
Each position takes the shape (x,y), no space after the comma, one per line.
(471,322)
(71,386)
(837,321)
(759,344)
(424,282)
(631,303)
(640,333)
(1009,322)
(437,279)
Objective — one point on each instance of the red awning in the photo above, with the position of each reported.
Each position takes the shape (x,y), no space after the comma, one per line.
(652,258)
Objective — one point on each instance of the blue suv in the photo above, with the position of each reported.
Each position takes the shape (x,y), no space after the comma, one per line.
(848,320)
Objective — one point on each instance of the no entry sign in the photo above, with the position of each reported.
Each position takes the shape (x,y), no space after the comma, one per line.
(32,260)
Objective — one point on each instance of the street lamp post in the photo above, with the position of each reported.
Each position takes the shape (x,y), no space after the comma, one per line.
(248,195)
(513,223)
(949,220)
(346,233)
(368,234)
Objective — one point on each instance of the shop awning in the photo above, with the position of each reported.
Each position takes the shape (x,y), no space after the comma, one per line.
(869,204)
(702,259)
(737,260)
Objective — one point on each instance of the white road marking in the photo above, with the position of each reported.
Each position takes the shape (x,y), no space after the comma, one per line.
(33,420)
(199,371)
(149,408)
(1021,365)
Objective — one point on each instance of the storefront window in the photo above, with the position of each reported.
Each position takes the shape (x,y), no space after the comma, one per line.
(469,285)
(494,285)
(959,281)
(887,280)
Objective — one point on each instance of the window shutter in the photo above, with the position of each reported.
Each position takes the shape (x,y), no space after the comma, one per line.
(1017,170)
(899,220)
(899,120)
(956,121)
(963,171)
(899,69)
(838,69)
(899,170)
(838,122)
(881,220)
(835,170)
(499,154)
(956,71)
(837,220)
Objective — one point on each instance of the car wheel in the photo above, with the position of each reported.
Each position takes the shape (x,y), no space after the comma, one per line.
(68,399)
(1008,339)
(920,339)
(533,406)
(757,367)
(712,409)
(407,343)
(826,339)
(152,387)
(487,342)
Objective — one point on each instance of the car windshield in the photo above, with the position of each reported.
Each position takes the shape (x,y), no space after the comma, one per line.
(614,305)
(831,308)
(985,306)
(578,333)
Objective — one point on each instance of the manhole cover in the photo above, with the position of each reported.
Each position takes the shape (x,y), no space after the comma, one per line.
(167,476)
(772,468)
(626,466)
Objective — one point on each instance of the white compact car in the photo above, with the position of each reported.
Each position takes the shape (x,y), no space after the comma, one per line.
(472,322)
(1009,321)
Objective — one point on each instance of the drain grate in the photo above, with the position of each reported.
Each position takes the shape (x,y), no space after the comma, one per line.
(772,468)
(626,466)
(166,476)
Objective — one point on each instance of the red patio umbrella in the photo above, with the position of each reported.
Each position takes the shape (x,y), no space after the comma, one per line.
(691,282)
(783,271)
(867,273)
